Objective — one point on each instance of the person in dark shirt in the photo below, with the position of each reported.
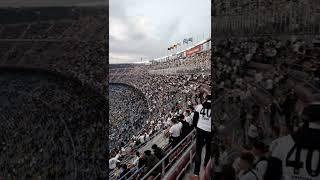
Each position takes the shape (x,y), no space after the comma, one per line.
(158,152)
(125,170)
(150,161)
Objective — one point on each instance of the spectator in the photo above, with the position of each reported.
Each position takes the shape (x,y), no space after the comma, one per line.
(175,132)
(261,163)
(247,171)
(204,134)
(158,152)
(151,160)
(299,144)
(136,160)
(113,162)
(124,171)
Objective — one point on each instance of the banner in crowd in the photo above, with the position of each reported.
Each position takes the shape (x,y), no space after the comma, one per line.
(194,50)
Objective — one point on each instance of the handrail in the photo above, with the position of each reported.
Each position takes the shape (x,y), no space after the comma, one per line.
(162,161)
(135,173)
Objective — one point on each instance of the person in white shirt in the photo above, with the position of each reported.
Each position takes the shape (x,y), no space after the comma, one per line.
(175,132)
(188,117)
(141,139)
(136,160)
(113,162)
(204,134)
(300,151)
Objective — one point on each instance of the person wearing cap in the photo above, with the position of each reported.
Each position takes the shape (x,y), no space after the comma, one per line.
(204,134)
(300,151)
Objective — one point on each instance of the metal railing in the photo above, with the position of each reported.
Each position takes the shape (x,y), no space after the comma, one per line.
(162,163)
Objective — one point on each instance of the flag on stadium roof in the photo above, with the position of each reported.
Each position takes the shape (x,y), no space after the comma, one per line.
(185,41)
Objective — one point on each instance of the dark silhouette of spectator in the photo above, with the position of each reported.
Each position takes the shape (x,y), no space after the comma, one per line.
(288,107)
(151,160)
(158,152)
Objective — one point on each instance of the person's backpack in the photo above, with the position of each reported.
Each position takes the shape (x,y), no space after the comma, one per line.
(274,168)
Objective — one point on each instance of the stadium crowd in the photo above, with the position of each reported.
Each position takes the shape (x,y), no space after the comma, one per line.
(271,81)
(52,120)
(49,127)
(128,115)
(172,100)
(200,60)
(71,43)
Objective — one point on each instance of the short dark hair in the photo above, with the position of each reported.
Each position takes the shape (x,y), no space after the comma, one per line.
(311,112)
(147,152)
(247,156)
(259,145)
(154,146)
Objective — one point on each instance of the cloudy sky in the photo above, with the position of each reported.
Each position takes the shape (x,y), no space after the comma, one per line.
(146,28)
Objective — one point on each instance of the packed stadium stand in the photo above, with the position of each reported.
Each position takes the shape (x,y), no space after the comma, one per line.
(53,93)
(170,88)
(265,73)
(265,63)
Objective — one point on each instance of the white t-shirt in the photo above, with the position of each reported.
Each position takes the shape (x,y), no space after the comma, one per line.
(281,149)
(251,175)
(113,162)
(141,138)
(175,130)
(136,161)
(189,119)
(204,121)
(261,167)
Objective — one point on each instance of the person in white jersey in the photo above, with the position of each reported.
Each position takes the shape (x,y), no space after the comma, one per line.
(300,151)
(175,132)
(204,134)
(113,161)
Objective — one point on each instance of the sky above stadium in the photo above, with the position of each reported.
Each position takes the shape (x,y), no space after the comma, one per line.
(146,28)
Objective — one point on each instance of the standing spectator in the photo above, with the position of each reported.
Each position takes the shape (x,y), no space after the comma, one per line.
(136,160)
(175,132)
(113,162)
(150,161)
(302,144)
(204,134)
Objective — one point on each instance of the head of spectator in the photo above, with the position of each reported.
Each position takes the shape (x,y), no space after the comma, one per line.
(246,161)
(259,149)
